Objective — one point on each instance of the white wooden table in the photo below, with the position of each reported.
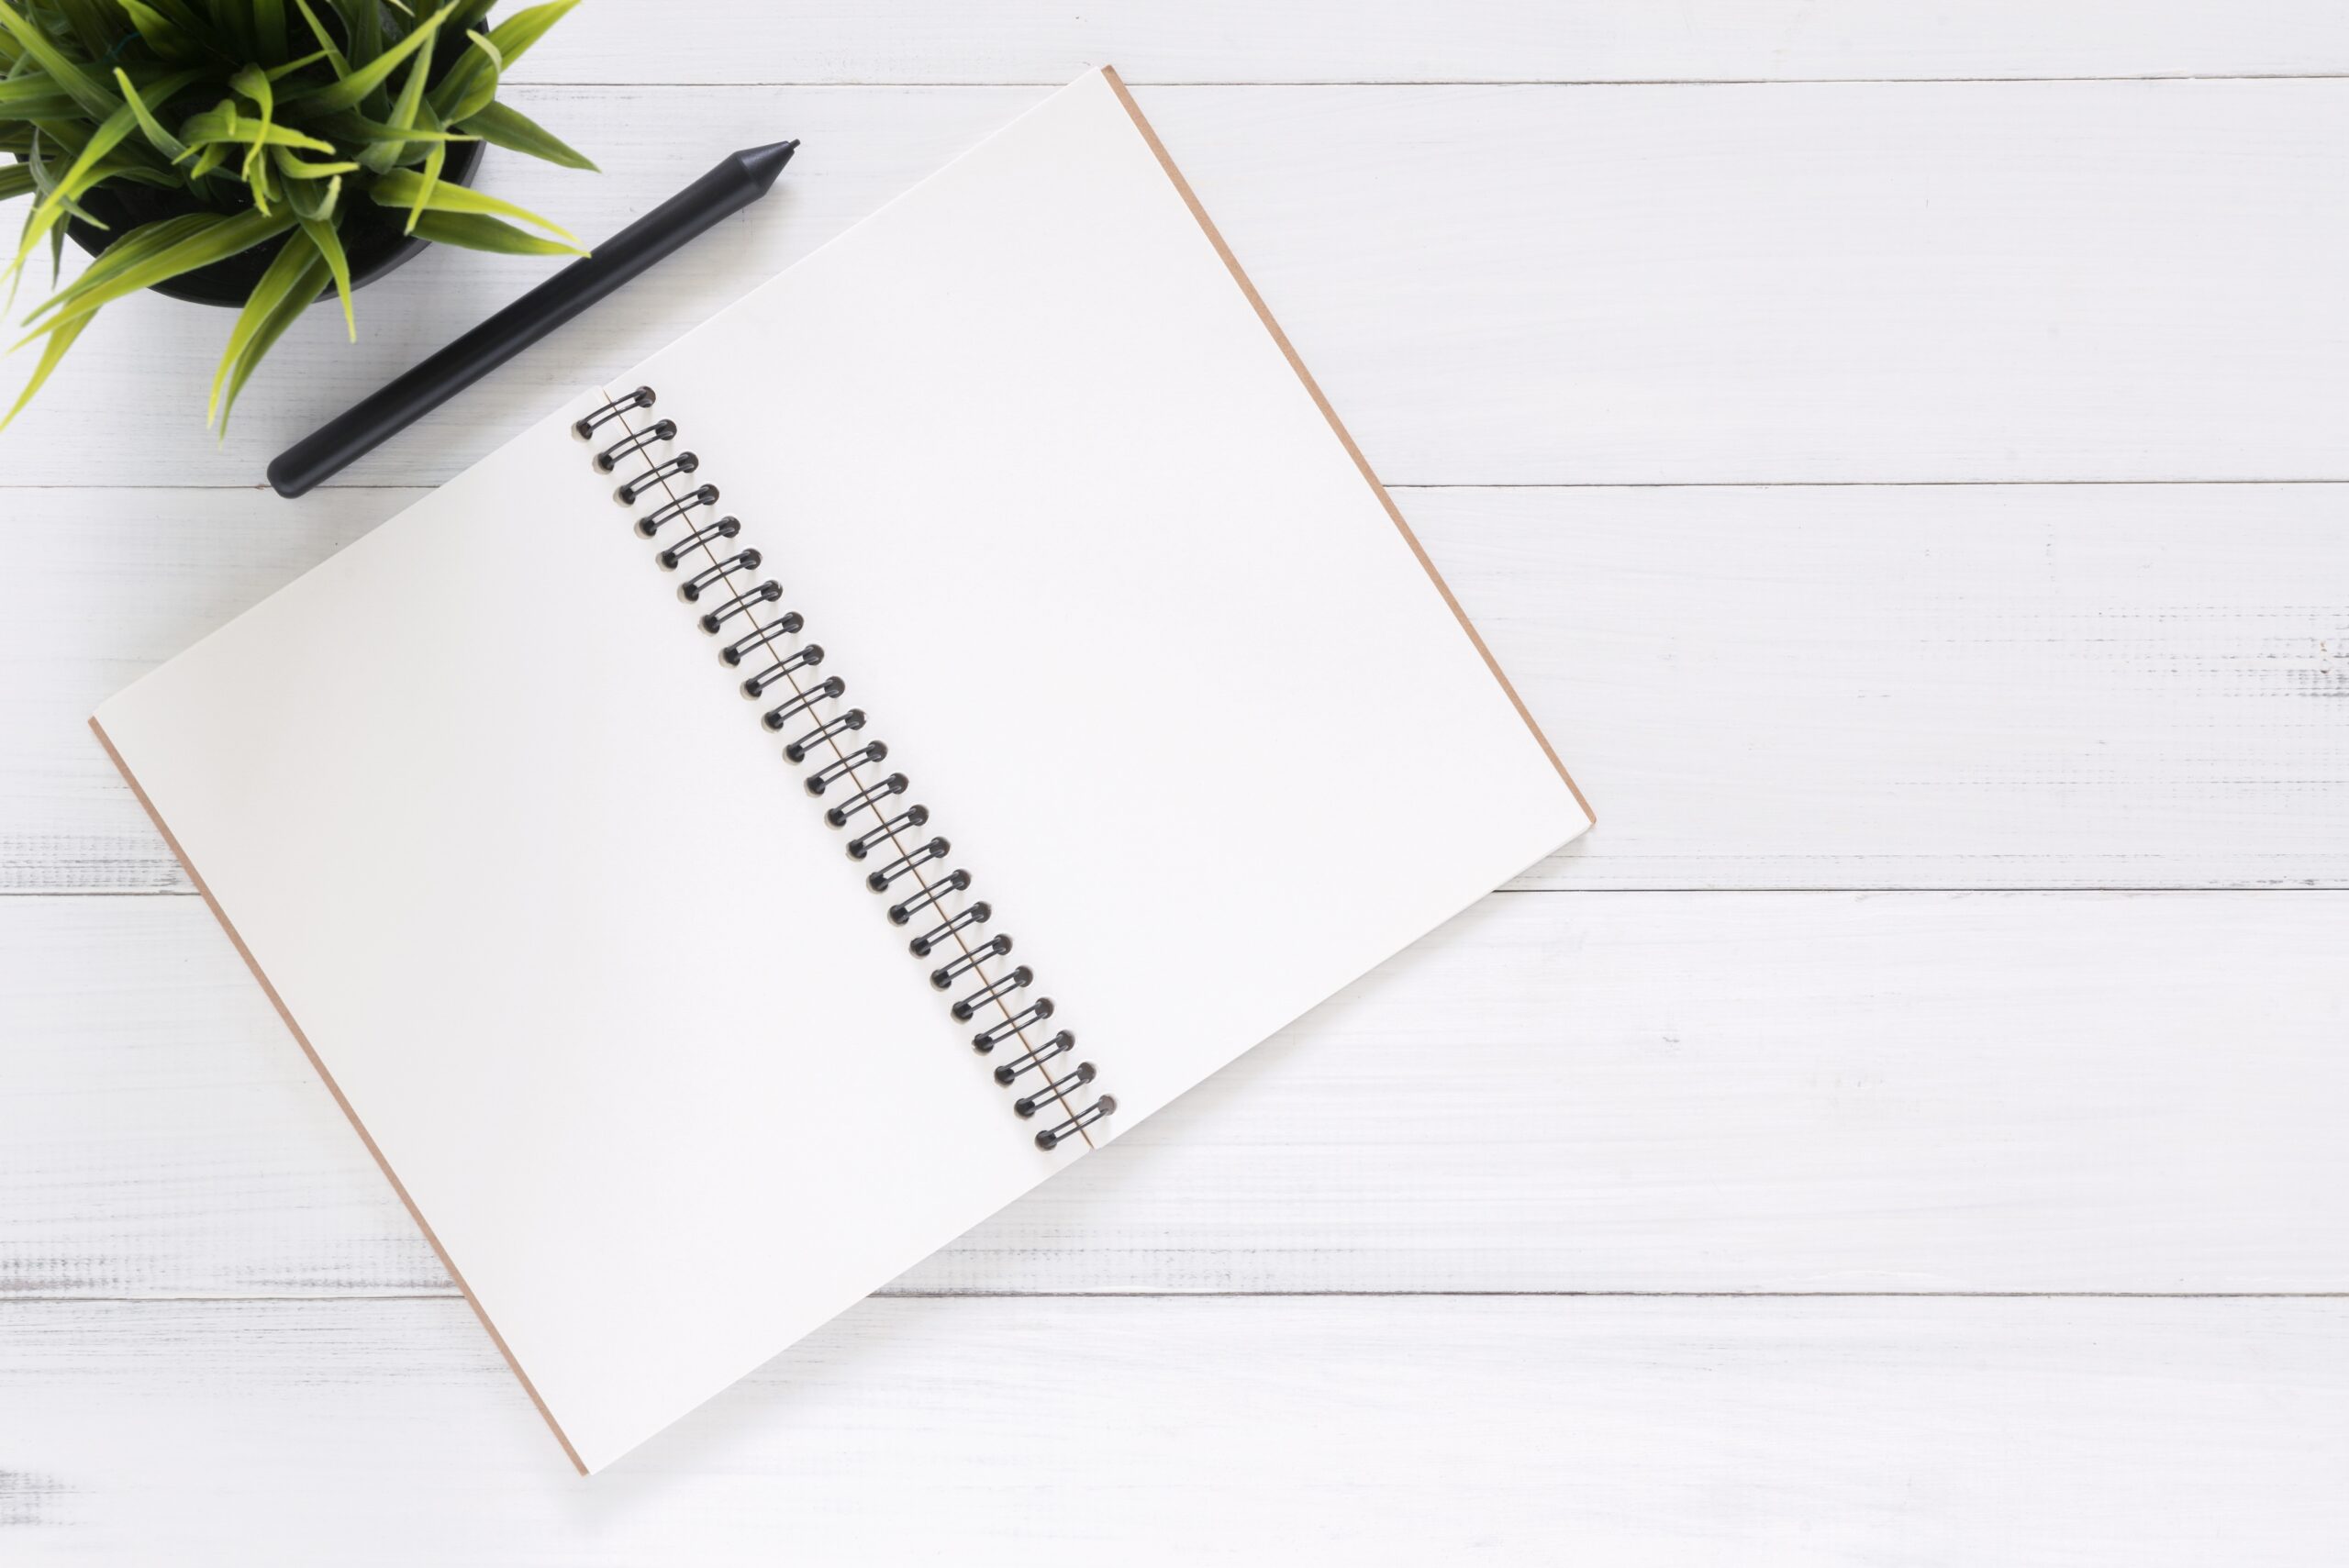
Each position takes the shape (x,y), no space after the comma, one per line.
(1902,452)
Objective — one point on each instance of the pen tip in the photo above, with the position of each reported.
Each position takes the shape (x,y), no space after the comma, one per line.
(764,163)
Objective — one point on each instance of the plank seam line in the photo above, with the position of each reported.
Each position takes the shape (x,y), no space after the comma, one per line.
(53,1300)
(1825,891)
(967,84)
(1577,484)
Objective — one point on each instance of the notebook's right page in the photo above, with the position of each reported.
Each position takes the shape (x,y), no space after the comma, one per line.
(1195,713)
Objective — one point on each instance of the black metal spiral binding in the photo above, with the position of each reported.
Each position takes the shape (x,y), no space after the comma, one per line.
(761,637)
(766,593)
(1052,1137)
(693,587)
(865,843)
(1026,1104)
(808,656)
(945,974)
(642,397)
(1060,1045)
(934,896)
(725,528)
(822,690)
(1035,1012)
(611,456)
(830,774)
(683,463)
(653,522)
(910,869)
(994,990)
(870,797)
(978,913)
(796,750)
(907,863)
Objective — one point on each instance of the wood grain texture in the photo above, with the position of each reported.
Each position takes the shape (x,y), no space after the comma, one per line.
(1799,1092)
(1955,686)
(1820,1433)
(1386,41)
(1495,285)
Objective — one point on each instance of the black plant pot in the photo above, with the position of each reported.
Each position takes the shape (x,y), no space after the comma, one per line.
(374,237)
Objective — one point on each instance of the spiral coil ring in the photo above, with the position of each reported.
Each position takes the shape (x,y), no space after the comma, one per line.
(725,528)
(642,397)
(823,778)
(1028,1105)
(1035,1012)
(869,799)
(609,458)
(978,913)
(1052,1137)
(756,685)
(1060,1045)
(693,587)
(929,897)
(797,751)
(913,871)
(994,991)
(907,863)
(643,485)
(865,843)
(942,978)
(653,522)
(758,637)
(766,593)
(822,690)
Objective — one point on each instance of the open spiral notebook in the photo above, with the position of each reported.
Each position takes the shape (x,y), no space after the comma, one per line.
(823,780)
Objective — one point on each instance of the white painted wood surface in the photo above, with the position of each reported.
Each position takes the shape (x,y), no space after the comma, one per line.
(1667,1092)
(1502,284)
(1644,1215)
(937,41)
(1813,686)
(1171,1431)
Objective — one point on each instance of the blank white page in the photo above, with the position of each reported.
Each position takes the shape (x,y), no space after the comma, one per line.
(578,952)
(598,985)
(1144,634)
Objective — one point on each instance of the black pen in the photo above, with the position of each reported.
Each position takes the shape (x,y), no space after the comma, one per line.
(739,180)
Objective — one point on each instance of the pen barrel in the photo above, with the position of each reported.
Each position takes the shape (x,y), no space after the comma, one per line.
(722,193)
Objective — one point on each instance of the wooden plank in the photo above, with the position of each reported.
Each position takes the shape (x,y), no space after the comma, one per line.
(1960,686)
(2041,281)
(1534,1431)
(1766,1092)
(1379,41)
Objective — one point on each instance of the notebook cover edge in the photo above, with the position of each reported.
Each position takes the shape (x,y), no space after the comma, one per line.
(171,841)
(1346,439)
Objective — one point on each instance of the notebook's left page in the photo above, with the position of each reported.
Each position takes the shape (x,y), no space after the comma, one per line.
(488,817)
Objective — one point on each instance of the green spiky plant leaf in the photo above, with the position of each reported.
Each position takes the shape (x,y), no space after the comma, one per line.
(276,123)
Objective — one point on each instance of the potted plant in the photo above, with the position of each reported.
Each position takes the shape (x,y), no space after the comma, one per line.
(261,153)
